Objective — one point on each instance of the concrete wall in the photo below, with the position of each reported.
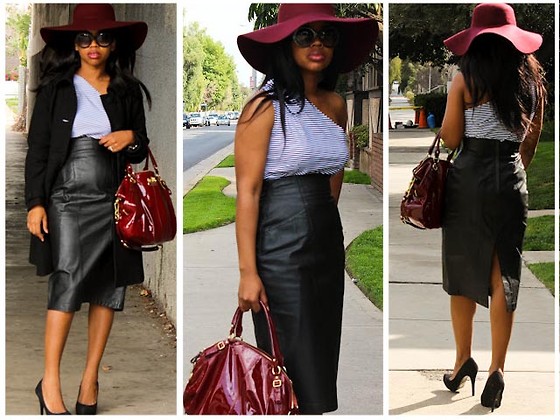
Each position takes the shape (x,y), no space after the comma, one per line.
(156,66)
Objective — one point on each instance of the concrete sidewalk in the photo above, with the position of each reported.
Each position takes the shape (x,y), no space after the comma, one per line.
(210,298)
(138,374)
(421,344)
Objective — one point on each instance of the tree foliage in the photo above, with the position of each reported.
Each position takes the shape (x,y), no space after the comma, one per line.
(18,23)
(208,73)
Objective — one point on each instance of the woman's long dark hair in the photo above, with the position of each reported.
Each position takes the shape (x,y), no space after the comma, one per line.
(57,60)
(513,81)
(283,81)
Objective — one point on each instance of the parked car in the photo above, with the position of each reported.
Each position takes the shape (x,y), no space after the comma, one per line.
(236,115)
(186,123)
(212,119)
(196,119)
(223,120)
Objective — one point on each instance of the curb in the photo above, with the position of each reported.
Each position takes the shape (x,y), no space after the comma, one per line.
(197,172)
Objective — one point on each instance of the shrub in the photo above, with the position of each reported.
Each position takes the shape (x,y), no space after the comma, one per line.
(434,103)
(361,135)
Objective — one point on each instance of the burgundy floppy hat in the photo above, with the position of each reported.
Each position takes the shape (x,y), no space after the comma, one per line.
(96,17)
(357,35)
(494,18)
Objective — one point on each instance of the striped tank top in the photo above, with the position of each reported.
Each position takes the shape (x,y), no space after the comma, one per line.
(482,122)
(91,118)
(314,143)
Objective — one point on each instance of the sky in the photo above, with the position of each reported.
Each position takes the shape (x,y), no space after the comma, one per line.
(224,21)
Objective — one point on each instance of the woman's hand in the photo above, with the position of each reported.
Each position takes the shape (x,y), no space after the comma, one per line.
(37,222)
(117,140)
(251,291)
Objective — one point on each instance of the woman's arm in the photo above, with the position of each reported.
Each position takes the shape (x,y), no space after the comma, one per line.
(529,144)
(453,125)
(251,146)
(134,141)
(38,140)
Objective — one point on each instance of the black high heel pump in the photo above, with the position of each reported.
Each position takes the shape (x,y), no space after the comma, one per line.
(42,405)
(87,409)
(493,390)
(469,368)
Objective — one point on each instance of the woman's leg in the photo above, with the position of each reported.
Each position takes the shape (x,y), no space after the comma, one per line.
(501,321)
(100,320)
(462,316)
(57,327)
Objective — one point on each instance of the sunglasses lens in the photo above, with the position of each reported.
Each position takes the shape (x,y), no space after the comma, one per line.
(84,39)
(329,37)
(304,37)
(104,39)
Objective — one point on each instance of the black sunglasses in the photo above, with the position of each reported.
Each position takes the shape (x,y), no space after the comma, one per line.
(103,39)
(305,36)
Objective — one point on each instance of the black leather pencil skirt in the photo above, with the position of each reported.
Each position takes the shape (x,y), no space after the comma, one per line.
(80,218)
(485,213)
(300,259)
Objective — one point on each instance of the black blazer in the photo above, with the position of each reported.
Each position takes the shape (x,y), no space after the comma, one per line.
(48,146)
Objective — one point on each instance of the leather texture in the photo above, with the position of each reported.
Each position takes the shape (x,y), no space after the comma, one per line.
(80,220)
(234,377)
(300,260)
(144,213)
(485,212)
(422,204)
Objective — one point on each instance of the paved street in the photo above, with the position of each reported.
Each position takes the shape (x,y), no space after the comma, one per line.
(199,143)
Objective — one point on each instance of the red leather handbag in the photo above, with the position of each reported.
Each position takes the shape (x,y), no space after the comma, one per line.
(144,214)
(234,377)
(422,204)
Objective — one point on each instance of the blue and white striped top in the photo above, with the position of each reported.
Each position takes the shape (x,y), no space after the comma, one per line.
(314,143)
(91,118)
(482,122)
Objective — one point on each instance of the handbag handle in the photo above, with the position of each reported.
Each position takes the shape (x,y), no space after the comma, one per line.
(151,157)
(237,329)
(435,147)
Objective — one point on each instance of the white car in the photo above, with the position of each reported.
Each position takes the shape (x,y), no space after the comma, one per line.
(223,120)
(196,119)
(212,119)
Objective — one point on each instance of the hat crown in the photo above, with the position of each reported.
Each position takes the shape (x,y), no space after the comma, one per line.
(488,15)
(289,11)
(84,13)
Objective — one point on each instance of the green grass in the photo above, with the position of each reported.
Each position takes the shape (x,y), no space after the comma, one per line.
(545,273)
(12,104)
(206,207)
(539,235)
(364,262)
(354,176)
(228,162)
(547,133)
(540,177)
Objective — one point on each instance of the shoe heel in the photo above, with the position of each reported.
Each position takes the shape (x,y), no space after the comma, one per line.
(473,378)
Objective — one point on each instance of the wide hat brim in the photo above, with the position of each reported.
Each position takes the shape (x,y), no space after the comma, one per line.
(96,17)
(357,38)
(524,41)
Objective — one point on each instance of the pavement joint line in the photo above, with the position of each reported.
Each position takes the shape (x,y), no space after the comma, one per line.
(544,372)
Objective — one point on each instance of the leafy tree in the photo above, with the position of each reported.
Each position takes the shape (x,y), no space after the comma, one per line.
(193,77)
(18,23)
(208,73)
(395,66)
